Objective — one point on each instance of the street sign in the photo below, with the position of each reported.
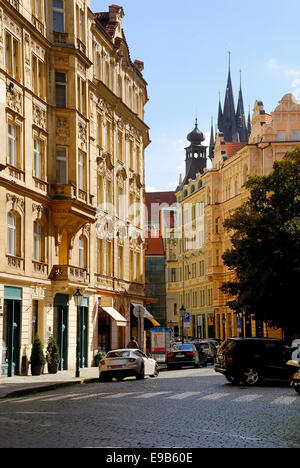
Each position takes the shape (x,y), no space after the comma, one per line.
(187,317)
(139,311)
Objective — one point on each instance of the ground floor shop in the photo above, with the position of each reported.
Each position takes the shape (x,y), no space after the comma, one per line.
(101,322)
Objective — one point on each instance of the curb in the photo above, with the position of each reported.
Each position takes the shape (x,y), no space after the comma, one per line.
(46,388)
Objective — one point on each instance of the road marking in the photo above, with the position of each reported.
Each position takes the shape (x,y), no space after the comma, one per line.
(119,395)
(247,398)
(181,396)
(61,397)
(85,397)
(284,400)
(151,395)
(214,396)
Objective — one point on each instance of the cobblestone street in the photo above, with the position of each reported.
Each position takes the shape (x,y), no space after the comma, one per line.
(189,408)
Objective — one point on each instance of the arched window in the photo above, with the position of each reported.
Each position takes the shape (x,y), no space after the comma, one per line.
(82,252)
(12,234)
(37,241)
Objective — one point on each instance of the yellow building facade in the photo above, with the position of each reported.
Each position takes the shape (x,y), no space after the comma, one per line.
(271,137)
(71,181)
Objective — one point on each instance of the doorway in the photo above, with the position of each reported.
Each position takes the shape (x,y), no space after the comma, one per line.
(83,334)
(61,324)
(11,335)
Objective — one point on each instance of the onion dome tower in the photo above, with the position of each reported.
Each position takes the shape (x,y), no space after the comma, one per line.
(196,160)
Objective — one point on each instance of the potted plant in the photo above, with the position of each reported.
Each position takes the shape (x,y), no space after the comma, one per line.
(52,356)
(37,359)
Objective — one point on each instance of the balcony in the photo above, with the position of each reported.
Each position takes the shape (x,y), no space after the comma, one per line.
(40,268)
(15,4)
(16,263)
(16,173)
(38,24)
(70,274)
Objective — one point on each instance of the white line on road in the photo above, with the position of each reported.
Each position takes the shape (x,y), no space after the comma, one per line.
(181,396)
(85,397)
(248,398)
(119,395)
(214,396)
(151,395)
(284,400)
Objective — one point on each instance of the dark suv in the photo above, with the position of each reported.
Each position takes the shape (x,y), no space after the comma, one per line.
(253,360)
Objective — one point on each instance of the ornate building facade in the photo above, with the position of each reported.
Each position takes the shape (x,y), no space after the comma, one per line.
(71,181)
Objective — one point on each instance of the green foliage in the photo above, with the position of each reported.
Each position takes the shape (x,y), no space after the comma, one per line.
(52,352)
(37,354)
(265,253)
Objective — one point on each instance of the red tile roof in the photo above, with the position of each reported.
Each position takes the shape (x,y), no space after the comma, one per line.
(153,202)
(155,246)
(233,147)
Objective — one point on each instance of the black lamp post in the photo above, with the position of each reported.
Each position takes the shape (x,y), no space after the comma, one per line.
(78,300)
(182,312)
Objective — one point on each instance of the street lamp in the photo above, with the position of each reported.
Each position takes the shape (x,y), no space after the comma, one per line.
(182,312)
(78,300)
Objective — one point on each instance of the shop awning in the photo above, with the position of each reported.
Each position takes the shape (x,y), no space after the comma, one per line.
(115,315)
(147,315)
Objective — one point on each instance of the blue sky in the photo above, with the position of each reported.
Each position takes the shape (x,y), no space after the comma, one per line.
(185,44)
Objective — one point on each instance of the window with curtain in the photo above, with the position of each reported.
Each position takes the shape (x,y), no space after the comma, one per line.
(12,234)
(12,145)
(61,165)
(37,158)
(37,241)
(61,89)
(82,252)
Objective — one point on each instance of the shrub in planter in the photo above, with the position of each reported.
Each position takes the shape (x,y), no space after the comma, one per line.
(100,355)
(52,356)
(37,359)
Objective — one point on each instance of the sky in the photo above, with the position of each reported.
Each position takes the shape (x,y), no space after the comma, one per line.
(184,45)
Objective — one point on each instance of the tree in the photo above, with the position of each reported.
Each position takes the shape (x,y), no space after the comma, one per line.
(265,253)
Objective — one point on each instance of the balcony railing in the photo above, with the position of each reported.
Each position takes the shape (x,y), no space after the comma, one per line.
(70,273)
(16,173)
(40,268)
(15,262)
(38,24)
(15,4)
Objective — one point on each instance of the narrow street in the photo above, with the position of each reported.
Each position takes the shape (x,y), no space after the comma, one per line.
(187,408)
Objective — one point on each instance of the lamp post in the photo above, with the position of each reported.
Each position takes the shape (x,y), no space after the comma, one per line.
(78,300)
(182,312)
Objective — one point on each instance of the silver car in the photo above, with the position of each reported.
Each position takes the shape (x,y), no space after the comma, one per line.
(121,363)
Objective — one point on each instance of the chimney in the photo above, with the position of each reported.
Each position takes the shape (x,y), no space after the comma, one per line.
(139,65)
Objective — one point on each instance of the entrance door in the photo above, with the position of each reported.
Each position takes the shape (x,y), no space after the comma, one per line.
(83,335)
(11,338)
(62,335)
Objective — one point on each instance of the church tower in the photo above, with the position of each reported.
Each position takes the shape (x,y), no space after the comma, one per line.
(196,159)
(231,122)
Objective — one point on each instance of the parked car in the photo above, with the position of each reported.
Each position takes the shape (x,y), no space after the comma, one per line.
(209,346)
(254,360)
(122,363)
(185,355)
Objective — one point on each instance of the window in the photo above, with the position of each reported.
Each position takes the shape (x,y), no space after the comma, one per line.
(81,171)
(280,136)
(120,262)
(38,77)
(108,268)
(37,8)
(61,89)
(82,252)
(61,165)
(80,24)
(295,135)
(12,56)
(101,256)
(12,234)
(119,147)
(37,242)
(37,158)
(12,145)
(59,16)
(81,95)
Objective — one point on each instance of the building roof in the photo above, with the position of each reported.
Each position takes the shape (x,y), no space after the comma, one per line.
(155,246)
(154,200)
(233,147)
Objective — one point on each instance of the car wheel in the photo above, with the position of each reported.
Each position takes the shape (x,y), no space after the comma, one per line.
(252,376)
(232,380)
(104,378)
(156,371)
(141,375)
(119,378)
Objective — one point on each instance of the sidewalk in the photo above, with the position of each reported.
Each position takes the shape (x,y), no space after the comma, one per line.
(23,385)
(18,386)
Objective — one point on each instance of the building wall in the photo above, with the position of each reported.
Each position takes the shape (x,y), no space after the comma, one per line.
(101,130)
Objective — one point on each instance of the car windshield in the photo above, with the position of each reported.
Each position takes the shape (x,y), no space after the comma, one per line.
(118,354)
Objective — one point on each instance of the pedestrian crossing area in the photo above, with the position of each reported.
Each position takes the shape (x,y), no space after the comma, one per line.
(168,396)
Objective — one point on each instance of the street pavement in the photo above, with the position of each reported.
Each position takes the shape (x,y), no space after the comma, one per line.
(186,408)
